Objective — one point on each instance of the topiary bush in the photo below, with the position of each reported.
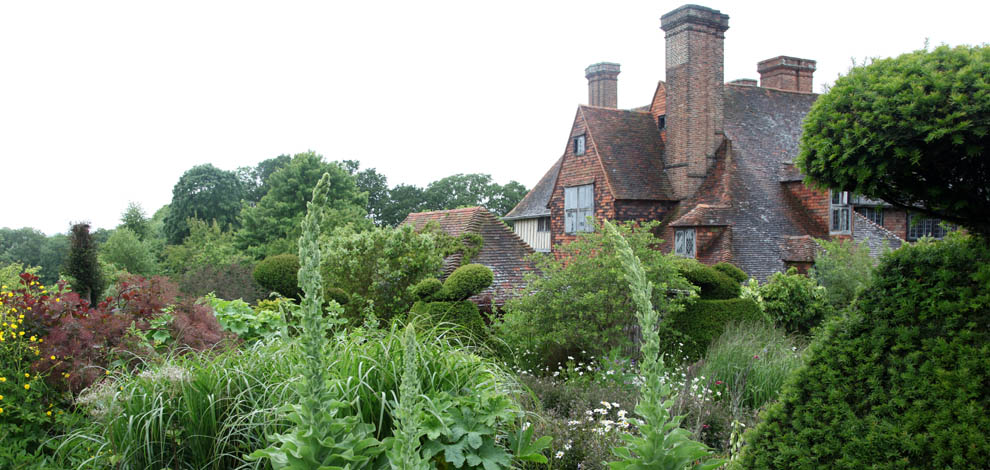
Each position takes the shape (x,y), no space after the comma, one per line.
(795,302)
(901,380)
(714,284)
(462,313)
(279,273)
(465,281)
(704,321)
(337,294)
(426,288)
(732,271)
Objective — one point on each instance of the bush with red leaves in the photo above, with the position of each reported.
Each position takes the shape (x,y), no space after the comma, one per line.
(80,342)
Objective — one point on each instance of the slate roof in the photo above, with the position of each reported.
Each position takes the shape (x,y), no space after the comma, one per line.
(877,238)
(535,203)
(800,249)
(629,148)
(502,251)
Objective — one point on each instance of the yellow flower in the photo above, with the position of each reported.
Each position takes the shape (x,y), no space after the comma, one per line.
(53,358)
(1,410)
(3,379)
(21,333)
(34,338)
(106,372)
(42,340)
(58,299)
(27,386)
(27,375)
(49,413)
(1,397)
(13,326)
(13,310)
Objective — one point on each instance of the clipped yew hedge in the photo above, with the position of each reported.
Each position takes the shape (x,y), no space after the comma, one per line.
(901,381)
(704,321)
(279,273)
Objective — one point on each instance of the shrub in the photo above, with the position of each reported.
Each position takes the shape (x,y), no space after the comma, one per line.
(337,294)
(900,380)
(795,302)
(378,267)
(702,321)
(126,251)
(249,324)
(82,266)
(465,281)
(843,268)
(714,284)
(426,288)
(278,274)
(732,271)
(232,281)
(575,303)
(463,314)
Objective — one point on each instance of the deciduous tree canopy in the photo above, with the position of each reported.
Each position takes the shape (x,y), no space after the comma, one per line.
(912,130)
(204,192)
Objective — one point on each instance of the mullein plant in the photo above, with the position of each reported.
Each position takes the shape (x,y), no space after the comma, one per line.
(660,443)
(327,432)
(402,448)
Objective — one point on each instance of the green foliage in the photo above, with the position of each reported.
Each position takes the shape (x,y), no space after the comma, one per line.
(900,380)
(10,274)
(844,269)
(255,179)
(575,305)
(469,190)
(206,245)
(249,324)
(660,442)
(403,447)
(30,247)
(713,282)
(279,274)
(272,226)
(750,362)
(135,220)
(203,192)
(425,289)
(911,130)
(338,295)
(125,250)
(378,267)
(463,314)
(795,302)
(702,321)
(465,281)
(732,271)
(82,266)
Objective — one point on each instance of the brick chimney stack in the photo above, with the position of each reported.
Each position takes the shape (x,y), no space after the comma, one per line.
(695,95)
(603,84)
(786,73)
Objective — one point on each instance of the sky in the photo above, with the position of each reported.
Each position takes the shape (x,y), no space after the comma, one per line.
(108,102)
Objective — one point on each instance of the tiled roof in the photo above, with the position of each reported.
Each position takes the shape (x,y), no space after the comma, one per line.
(703,215)
(764,127)
(535,202)
(502,251)
(877,238)
(630,150)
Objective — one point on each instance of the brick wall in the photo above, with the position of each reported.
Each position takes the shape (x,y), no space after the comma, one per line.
(809,208)
(642,210)
(577,170)
(787,73)
(896,221)
(695,99)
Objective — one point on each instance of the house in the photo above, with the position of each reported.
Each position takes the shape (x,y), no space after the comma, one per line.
(713,161)
(502,251)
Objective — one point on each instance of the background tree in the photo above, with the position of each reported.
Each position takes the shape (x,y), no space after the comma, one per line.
(204,192)
(403,199)
(254,177)
(125,250)
(505,197)
(82,267)
(206,246)
(912,130)
(273,225)
(135,220)
(466,190)
(376,186)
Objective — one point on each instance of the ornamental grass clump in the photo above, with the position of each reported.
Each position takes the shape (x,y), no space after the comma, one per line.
(660,442)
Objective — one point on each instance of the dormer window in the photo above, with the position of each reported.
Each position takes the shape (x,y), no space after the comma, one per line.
(579,145)
(661,122)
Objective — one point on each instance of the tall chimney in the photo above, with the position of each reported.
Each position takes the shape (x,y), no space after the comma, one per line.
(603,79)
(694,37)
(786,73)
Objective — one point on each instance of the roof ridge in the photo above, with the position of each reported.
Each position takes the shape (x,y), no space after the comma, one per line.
(606,108)
(505,229)
(794,92)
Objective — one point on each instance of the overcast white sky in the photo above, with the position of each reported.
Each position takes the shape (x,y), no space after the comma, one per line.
(105,102)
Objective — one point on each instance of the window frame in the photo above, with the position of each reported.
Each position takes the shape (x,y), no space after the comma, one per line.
(681,242)
(542,224)
(579,204)
(931,227)
(839,206)
(872,213)
(580,144)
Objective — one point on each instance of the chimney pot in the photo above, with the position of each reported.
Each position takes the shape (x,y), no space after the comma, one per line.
(787,73)
(603,84)
(744,82)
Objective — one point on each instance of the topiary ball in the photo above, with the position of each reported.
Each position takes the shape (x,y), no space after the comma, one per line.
(337,294)
(714,284)
(900,381)
(279,274)
(425,289)
(732,271)
(466,281)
